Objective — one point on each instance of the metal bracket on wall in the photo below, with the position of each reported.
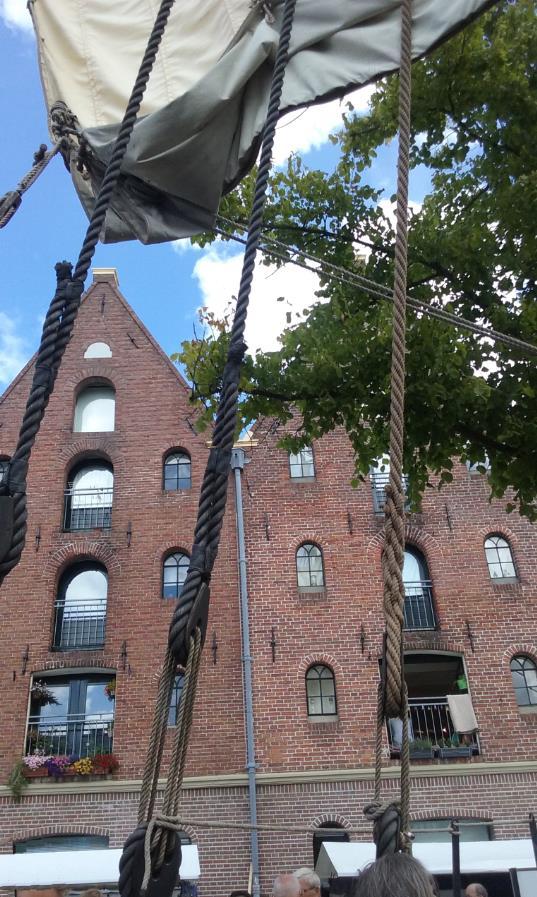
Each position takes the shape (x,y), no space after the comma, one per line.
(214,647)
(273,644)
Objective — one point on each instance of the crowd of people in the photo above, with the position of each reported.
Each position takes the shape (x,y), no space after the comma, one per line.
(393,875)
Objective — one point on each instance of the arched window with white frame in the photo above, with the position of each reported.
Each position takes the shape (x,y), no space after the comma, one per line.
(524,678)
(95,409)
(309,567)
(175,568)
(321,691)
(499,557)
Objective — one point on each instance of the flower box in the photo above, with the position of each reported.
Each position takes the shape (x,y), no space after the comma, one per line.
(40,773)
(447,753)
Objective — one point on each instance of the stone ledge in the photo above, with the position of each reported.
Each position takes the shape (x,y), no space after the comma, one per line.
(240,780)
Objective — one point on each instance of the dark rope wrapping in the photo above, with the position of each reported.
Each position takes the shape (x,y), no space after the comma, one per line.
(64,307)
(187,630)
(215,482)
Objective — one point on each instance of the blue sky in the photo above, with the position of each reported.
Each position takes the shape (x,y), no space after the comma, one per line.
(165,284)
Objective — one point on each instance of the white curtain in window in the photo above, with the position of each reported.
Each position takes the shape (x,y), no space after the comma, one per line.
(95,410)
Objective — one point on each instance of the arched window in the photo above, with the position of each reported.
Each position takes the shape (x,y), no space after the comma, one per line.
(301,464)
(499,557)
(175,570)
(336,833)
(88,497)
(173,710)
(80,611)
(95,410)
(98,350)
(321,691)
(524,676)
(177,472)
(419,607)
(309,567)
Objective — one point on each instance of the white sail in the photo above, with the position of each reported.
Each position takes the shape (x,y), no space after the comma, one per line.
(206,101)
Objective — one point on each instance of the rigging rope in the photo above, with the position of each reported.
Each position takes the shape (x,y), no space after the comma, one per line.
(60,320)
(348,277)
(11,201)
(391,819)
(152,850)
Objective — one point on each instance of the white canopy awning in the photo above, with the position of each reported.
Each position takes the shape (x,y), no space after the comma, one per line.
(344,860)
(206,102)
(77,867)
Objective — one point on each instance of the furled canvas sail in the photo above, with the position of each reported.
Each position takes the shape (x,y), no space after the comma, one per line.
(200,123)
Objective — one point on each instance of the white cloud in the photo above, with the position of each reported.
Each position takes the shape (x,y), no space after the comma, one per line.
(14,14)
(13,352)
(181,247)
(218,274)
(304,130)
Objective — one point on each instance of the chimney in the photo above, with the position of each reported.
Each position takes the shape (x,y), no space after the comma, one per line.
(105,275)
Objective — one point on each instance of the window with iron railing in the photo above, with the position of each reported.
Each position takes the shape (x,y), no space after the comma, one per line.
(71,715)
(429,721)
(419,607)
(80,608)
(88,497)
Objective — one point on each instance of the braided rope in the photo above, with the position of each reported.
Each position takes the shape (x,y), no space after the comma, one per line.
(12,200)
(64,307)
(213,496)
(394,544)
(390,820)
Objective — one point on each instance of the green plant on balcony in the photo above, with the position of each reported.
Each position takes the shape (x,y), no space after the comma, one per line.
(421,749)
(17,781)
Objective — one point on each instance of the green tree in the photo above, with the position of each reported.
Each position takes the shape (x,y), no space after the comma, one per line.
(473,249)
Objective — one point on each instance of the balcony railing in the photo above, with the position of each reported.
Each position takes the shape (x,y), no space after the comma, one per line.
(419,607)
(79,624)
(76,734)
(379,481)
(429,719)
(87,509)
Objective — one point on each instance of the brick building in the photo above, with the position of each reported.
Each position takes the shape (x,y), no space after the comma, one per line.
(113,489)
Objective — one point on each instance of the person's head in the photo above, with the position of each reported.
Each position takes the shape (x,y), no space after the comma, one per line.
(285,886)
(476,890)
(394,875)
(310,883)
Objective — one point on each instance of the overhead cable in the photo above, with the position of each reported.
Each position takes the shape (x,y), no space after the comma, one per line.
(278,249)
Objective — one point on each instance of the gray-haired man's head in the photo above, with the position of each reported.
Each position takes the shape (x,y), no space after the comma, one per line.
(285,886)
(310,883)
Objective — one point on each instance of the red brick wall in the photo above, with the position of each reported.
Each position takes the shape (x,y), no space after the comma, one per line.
(326,626)
(151,417)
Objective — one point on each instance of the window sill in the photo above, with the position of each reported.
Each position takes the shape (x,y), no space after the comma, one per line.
(505,581)
(313,593)
(323,720)
(528,710)
(302,479)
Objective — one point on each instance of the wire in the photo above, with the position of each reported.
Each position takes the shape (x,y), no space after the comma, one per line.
(351,278)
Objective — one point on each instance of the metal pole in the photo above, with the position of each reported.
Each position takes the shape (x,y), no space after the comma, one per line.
(237,465)
(533,834)
(456,857)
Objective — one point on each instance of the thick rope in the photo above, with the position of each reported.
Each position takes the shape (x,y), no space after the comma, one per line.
(64,307)
(12,200)
(215,482)
(391,820)
(394,544)
(187,633)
